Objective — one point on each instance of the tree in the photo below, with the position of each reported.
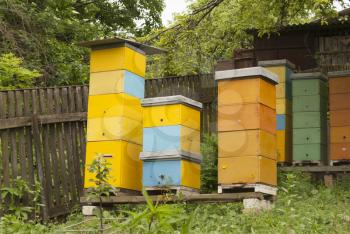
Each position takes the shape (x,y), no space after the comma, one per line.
(46,32)
(212,29)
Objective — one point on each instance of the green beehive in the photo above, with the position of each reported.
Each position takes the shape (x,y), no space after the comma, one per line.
(310,106)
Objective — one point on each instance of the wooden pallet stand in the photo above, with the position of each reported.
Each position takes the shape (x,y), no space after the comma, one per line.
(188,198)
(326,173)
(176,190)
(339,162)
(256,188)
(284,164)
(307,163)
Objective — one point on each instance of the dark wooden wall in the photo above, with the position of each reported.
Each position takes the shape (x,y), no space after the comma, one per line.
(42,135)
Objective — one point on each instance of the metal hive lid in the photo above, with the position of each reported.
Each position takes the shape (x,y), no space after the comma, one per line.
(116,41)
(169,100)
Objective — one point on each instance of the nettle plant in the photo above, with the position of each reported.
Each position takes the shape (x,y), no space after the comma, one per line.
(101,169)
(14,196)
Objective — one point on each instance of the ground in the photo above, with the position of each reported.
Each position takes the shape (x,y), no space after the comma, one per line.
(301,207)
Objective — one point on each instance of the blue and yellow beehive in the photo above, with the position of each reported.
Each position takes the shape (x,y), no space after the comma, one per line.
(114,128)
(171,142)
(284,69)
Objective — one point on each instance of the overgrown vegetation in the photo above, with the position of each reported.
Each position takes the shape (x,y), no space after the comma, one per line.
(209,171)
(302,207)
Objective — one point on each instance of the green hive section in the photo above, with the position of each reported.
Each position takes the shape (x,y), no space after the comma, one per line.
(310,105)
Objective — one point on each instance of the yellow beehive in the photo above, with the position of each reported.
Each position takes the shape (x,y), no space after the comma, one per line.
(283,107)
(251,170)
(114,128)
(121,58)
(246,117)
(253,90)
(281,67)
(115,105)
(190,174)
(123,158)
(167,115)
(284,146)
(247,143)
(247,139)
(118,81)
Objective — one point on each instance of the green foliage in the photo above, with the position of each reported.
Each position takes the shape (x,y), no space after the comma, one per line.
(156,218)
(100,167)
(212,29)
(13,75)
(12,224)
(301,207)
(13,197)
(46,32)
(209,171)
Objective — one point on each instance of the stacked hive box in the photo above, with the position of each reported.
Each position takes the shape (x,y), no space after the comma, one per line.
(339,98)
(171,145)
(114,129)
(247,127)
(310,105)
(284,69)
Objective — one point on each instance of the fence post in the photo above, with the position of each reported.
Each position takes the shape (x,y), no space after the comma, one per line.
(37,145)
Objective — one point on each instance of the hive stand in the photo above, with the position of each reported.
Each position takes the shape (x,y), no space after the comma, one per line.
(247,130)
(284,69)
(310,106)
(339,97)
(171,147)
(114,128)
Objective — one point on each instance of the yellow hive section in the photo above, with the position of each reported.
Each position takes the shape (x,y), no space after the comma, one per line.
(190,174)
(241,170)
(114,128)
(178,114)
(280,71)
(247,143)
(123,157)
(106,82)
(190,140)
(284,146)
(122,58)
(252,90)
(283,107)
(281,90)
(115,105)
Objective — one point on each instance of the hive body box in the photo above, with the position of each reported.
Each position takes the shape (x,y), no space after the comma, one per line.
(284,69)
(339,94)
(247,126)
(114,129)
(171,143)
(310,105)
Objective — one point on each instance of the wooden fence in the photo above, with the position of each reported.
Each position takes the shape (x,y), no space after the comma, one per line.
(42,135)
(334,52)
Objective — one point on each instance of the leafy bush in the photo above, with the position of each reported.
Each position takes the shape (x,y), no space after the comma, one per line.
(13,75)
(209,150)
